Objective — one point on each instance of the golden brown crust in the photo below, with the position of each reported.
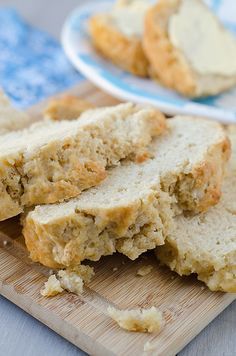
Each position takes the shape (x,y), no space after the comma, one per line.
(67,107)
(158,122)
(39,251)
(167,63)
(125,52)
(209,174)
(213,173)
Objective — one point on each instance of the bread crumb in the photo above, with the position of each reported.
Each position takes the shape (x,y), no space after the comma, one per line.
(50,272)
(114,269)
(71,279)
(51,287)
(142,320)
(143,271)
(148,346)
(84,272)
(67,107)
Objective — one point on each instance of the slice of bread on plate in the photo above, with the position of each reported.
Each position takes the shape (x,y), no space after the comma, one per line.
(11,119)
(189,49)
(53,161)
(117,35)
(132,210)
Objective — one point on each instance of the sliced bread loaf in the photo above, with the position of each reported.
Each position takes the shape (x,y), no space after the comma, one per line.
(118,35)
(188,49)
(11,119)
(132,210)
(53,161)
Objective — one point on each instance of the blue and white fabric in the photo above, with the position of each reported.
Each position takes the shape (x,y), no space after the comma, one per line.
(32,64)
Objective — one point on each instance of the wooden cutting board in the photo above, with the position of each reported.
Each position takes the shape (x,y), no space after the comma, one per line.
(187,305)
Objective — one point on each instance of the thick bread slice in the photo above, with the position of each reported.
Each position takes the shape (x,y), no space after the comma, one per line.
(118,35)
(206,244)
(194,57)
(127,212)
(132,210)
(190,158)
(53,161)
(11,119)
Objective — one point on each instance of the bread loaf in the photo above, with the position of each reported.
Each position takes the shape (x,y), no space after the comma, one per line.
(132,210)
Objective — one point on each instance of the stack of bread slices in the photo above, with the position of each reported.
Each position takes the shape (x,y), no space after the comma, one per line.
(123,178)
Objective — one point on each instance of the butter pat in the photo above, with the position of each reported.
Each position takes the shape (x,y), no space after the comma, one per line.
(205,43)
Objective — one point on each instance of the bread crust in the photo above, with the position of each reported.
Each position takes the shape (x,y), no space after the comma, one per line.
(167,64)
(125,52)
(207,178)
(66,107)
(76,231)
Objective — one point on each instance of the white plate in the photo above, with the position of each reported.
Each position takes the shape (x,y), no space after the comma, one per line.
(77,45)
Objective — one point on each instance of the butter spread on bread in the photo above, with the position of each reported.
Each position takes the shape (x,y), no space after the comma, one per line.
(206,44)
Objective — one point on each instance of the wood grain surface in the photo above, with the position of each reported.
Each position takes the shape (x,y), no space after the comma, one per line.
(187,305)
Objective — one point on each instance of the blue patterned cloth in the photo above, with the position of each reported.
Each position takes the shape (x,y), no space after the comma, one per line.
(32,64)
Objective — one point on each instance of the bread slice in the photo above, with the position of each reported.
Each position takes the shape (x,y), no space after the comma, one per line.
(188,49)
(117,35)
(132,210)
(206,244)
(11,119)
(53,161)
(190,160)
(67,107)
(125,213)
